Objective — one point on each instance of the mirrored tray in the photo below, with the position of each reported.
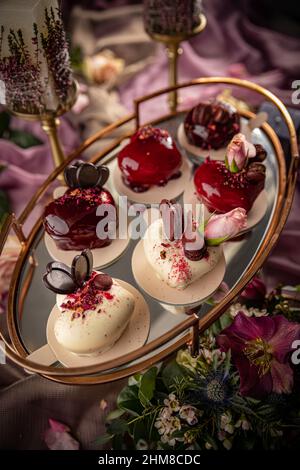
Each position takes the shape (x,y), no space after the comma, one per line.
(30,303)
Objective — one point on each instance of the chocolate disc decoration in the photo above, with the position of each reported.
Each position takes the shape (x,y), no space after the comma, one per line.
(62,280)
(70,173)
(81,267)
(86,175)
(58,278)
(88,254)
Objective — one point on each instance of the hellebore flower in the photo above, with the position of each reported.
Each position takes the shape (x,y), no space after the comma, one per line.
(255,291)
(238,152)
(260,349)
(221,227)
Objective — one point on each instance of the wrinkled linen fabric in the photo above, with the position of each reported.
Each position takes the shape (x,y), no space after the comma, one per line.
(231,45)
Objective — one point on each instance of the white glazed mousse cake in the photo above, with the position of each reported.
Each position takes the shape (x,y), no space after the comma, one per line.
(94,317)
(171,260)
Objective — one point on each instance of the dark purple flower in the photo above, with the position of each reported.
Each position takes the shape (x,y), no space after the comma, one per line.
(255,291)
(260,349)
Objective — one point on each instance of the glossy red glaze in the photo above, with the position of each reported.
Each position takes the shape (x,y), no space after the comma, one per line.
(151,158)
(221,191)
(71,220)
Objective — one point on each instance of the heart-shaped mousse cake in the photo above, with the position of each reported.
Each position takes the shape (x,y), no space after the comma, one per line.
(94,308)
(150,159)
(71,220)
(222,189)
(178,258)
(211,125)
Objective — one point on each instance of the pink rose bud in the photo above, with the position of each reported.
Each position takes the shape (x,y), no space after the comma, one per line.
(221,227)
(238,152)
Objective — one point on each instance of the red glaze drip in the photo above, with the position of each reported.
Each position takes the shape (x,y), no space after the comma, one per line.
(71,220)
(150,159)
(221,191)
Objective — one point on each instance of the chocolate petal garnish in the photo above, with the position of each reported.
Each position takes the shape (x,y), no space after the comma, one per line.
(104,174)
(87,175)
(194,246)
(102,281)
(59,281)
(79,269)
(89,256)
(70,174)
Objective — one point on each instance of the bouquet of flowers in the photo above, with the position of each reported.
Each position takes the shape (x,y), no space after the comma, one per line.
(241,392)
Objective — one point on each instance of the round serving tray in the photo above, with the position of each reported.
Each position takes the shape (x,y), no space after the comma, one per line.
(29,302)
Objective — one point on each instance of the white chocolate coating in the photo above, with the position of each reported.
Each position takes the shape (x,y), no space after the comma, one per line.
(97,330)
(172,266)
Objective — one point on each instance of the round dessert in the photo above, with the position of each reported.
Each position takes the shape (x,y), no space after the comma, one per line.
(150,159)
(223,186)
(177,258)
(71,219)
(94,308)
(211,125)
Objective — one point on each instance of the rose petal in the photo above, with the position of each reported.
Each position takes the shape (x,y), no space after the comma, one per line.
(282,376)
(57,437)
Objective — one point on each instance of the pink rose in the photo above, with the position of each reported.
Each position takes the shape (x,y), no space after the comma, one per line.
(221,227)
(8,260)
(238,152)
(58,437)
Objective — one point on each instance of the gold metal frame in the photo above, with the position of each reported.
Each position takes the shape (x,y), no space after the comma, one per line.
(109,370)
(172,43)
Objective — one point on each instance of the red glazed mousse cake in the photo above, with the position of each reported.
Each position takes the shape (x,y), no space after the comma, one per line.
(71,219)
(222,187)
(211,125)
(150,159)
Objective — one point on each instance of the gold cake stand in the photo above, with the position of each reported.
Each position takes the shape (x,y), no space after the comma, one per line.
(172,43)
(188,330)
(50,122)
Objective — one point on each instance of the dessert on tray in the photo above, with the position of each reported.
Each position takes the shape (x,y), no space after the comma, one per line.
(71,219)
(181,258)
(150,167)
(150,159)
(180,261)
(94,308)
(236,182)
(211,125)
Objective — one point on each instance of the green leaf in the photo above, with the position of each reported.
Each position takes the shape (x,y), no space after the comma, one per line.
(100,441)
(114,414)
(4,207)
(216,241)
(128,400)
(117,426)
(172,370)
(139,431)
(23,139)
(4,122)
(147,386)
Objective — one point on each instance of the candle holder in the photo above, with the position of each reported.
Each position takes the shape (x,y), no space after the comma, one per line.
(36,81)
(50,122)
(172,44)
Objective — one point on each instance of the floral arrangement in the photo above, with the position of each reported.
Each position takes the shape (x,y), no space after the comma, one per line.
(240,392)
(36,73)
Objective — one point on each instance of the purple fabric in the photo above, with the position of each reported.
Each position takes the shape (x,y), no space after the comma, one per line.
(27,169)
(231,45)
